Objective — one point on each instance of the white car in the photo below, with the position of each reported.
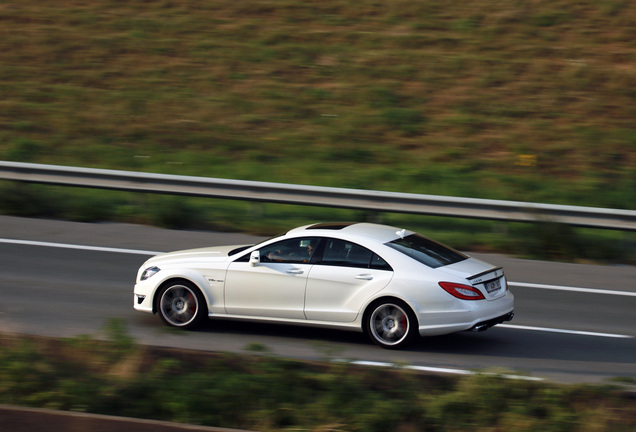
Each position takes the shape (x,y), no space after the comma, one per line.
(390,283)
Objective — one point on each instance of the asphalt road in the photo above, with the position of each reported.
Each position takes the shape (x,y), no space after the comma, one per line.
(63,279)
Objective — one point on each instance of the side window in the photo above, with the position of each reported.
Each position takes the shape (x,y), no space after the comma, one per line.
(347,254)
(299,250)
(378,263)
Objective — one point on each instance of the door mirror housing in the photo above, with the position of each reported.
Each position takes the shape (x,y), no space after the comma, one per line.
(255,258)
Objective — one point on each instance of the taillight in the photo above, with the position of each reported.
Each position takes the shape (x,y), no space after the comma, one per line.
(464,292)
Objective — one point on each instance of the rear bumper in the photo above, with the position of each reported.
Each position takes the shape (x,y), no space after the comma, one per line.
(485,325)
(467,315)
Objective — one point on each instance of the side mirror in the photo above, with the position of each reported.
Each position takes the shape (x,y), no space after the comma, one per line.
(255,258)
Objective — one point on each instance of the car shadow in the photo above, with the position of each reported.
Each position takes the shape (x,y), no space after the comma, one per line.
(528,344)
(494,343)
(283,331)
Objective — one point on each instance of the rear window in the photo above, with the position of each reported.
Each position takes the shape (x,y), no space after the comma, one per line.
(427,251)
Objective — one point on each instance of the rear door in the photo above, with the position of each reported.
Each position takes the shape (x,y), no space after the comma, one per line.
(342,280)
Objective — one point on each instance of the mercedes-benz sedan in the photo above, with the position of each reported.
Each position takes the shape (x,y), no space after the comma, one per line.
(390,283)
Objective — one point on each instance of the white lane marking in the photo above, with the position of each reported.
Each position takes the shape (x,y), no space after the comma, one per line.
(517,284)
(574,332)
(438,370)
(575,289)
(145,252)
(81,247)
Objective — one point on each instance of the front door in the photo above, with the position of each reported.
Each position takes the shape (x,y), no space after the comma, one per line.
(275,287)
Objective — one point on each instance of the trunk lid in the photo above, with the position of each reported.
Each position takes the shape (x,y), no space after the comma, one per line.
(487,278)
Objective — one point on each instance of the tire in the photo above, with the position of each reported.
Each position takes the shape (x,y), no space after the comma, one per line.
(390,323)
(181,304)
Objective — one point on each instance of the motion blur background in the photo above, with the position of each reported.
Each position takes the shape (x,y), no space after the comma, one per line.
(516,100)
(525,100)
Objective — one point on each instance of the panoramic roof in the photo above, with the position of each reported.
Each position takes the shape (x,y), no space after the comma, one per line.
(331,225)
(381,233)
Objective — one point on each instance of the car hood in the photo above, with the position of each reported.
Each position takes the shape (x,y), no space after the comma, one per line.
(469,269)
(215,253)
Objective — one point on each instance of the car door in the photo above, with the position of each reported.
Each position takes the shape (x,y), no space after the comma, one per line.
(342,280)
(273,287)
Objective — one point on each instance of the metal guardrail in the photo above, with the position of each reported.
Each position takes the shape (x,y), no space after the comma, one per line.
(16,419)
(320,196)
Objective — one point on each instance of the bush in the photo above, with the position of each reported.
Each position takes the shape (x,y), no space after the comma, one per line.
(118,377)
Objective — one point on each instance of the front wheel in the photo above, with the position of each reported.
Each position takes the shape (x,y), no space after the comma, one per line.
(181,304)
(390,323)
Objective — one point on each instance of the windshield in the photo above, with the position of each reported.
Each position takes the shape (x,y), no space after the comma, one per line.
(242,248)
(427,251)
(239,249)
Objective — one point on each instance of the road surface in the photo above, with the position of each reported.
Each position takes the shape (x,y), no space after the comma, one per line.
(573,323)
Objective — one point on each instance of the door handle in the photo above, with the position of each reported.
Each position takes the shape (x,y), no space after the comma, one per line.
(364,277)
(294,271)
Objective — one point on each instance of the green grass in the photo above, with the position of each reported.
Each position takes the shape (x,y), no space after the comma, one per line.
(528,101)
(257,391)
(528,240)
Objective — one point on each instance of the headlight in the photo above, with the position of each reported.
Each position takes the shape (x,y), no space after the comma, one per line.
(149,272)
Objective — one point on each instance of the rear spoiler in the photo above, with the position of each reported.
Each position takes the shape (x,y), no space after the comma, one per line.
(487,275)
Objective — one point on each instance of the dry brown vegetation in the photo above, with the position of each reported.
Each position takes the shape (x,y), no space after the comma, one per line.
(521,100)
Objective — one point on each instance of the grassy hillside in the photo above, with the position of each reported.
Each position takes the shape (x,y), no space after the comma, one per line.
(523,100)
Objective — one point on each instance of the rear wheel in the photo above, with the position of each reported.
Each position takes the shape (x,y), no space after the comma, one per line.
(181,304)
(390,323)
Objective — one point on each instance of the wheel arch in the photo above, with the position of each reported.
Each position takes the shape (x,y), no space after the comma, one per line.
(173,279)
(390,322)
(368,308)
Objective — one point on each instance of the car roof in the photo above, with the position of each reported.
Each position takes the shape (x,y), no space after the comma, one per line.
(351,230)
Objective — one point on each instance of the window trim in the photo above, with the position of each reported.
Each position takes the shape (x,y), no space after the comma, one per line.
(369,265)
(314,257)
(318,255)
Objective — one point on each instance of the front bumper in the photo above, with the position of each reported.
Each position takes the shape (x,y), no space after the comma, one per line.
(142,297)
